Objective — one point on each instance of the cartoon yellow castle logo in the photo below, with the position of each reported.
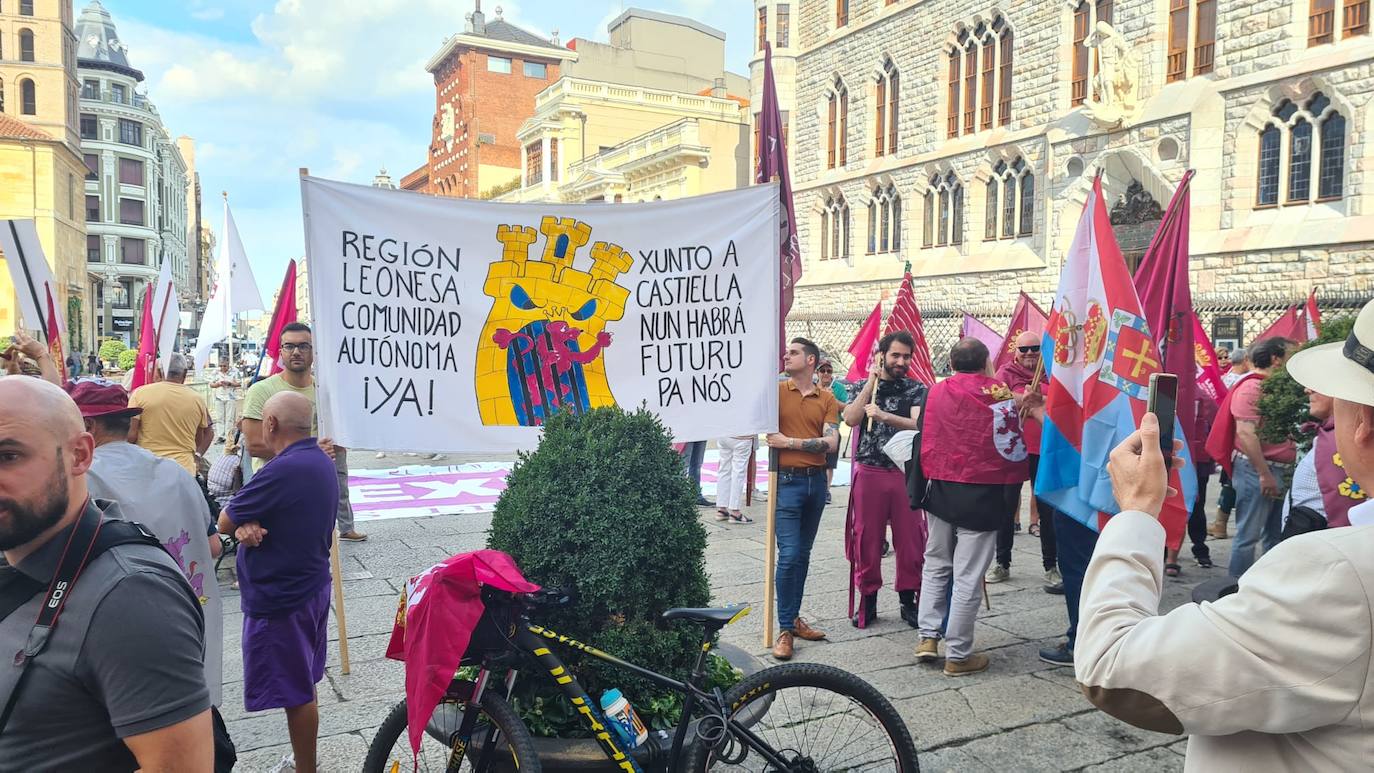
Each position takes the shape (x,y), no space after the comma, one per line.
(540,351)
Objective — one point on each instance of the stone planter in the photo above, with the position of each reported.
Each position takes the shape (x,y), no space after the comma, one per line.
(583,755)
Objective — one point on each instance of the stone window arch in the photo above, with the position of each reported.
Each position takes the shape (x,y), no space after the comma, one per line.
(26,53)
(944,215)
(835,228)
(887,93)
(1010,210)
(1301,153)
(837,126)
(884,220)
(28,97)
(982,87)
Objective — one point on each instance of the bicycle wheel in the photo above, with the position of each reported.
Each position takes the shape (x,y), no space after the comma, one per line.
(514,750)
(815,718)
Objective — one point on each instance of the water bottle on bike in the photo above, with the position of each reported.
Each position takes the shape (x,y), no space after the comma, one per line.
(623,719)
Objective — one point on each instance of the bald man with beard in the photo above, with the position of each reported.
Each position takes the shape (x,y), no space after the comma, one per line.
(119,685)
(284,521)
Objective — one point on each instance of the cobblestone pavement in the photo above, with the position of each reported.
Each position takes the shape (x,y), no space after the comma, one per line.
(1020,715)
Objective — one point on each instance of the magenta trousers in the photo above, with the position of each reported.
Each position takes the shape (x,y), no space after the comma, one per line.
(877,499)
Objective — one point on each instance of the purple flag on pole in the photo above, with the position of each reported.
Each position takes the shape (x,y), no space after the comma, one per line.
(977,328)
(1161,281)
(772,162)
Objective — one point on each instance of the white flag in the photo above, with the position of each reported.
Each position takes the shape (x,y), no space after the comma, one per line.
(28,271)
(235,290)
(166,314)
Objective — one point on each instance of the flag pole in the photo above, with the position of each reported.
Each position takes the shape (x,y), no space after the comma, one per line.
(228,264)
(770,557)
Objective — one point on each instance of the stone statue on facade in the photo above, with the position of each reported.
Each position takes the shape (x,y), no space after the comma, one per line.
(1112,98)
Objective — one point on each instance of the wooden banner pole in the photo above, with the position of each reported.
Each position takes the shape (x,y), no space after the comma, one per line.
(770,556)
(337,568)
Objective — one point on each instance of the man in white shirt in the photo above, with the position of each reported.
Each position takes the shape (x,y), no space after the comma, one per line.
(1276,676)
(228,386)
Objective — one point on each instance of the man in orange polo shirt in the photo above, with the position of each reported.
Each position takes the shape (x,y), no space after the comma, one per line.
(807,431)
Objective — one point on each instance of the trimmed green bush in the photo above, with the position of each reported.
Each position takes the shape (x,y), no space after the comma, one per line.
(110,350)
(127,359)
(603,505)
(1283,402)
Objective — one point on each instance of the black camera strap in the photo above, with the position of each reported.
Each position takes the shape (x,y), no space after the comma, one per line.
(91,536)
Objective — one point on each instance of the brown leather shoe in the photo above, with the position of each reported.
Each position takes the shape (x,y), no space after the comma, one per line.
(782,648)
(805,631)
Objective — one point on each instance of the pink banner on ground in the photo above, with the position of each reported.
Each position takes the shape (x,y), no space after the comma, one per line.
(468,489)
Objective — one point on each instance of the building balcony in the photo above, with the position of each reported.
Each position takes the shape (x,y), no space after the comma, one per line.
(576,89)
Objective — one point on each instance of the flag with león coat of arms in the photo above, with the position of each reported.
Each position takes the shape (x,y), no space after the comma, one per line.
(1099,356)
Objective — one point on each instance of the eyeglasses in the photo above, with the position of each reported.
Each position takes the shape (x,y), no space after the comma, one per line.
(1028,349)
(296,347)
(826,370)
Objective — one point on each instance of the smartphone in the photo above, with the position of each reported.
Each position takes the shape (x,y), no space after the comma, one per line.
(1163,402)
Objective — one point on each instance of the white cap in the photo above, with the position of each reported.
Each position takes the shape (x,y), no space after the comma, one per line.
(1344,370)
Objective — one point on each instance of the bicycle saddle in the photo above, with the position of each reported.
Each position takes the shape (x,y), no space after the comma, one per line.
(716,617)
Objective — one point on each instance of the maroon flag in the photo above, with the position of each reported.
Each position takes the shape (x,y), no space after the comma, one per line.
(1026,317)
(1311,317)
(282,315)
(906,316)
(1290,325)
(1161,281)
(1208,366)
(772,162)
(865,344)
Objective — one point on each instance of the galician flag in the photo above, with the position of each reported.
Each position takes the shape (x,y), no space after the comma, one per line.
(1099,355)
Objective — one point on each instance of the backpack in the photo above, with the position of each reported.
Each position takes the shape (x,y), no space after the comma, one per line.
(110,534)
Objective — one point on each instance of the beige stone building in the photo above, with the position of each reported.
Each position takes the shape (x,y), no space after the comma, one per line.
(40,162)
(635,120)
(962,136)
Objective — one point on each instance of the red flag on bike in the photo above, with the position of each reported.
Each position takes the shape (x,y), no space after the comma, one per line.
(438,612)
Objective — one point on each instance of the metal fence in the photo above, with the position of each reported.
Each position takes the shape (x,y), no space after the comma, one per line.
(1245,316)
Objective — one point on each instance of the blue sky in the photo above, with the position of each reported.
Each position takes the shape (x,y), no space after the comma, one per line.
(338,86)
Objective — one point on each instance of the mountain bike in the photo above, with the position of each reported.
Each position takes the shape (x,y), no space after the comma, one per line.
(792,718)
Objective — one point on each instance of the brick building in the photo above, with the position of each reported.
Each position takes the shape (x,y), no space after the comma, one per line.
(963,136)
(485,81)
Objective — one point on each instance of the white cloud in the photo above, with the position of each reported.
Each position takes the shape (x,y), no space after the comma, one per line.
(208,14)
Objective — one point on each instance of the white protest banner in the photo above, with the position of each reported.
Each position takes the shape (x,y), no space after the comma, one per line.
(455,325)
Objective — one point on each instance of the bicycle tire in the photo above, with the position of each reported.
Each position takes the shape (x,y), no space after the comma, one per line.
(766,684)
(381,752)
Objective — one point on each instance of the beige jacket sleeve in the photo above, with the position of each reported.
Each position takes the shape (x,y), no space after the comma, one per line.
(1287,653)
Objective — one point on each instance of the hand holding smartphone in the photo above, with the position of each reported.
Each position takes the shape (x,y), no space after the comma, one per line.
(1163,403)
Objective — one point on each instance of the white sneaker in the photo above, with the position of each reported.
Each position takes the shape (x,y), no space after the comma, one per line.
(287,762)
(998,573)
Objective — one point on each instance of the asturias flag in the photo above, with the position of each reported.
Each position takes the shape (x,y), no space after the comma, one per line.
(1099,355)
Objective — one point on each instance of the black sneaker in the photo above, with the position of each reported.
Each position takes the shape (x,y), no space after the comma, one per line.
(1058,655)
(1205,562)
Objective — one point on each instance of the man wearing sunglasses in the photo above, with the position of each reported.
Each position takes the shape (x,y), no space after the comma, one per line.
(297,357)
(1018,374)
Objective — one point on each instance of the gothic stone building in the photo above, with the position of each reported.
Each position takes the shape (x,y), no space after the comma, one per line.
(962,136)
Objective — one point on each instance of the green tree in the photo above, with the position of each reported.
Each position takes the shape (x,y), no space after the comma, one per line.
(109,351)
(603,505)
(1283,401)
(128,358)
